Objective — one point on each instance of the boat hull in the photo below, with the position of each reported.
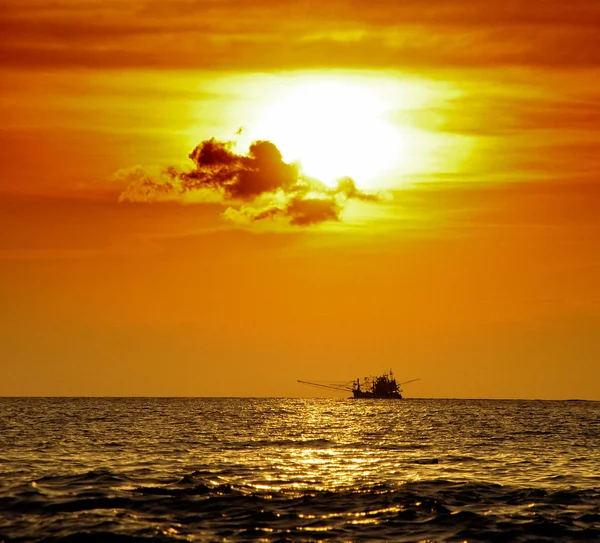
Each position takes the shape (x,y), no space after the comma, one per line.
(359,394)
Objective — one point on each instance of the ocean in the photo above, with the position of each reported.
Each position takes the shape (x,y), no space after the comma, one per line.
(243,469)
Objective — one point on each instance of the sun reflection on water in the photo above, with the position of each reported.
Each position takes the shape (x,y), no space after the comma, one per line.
(318,467)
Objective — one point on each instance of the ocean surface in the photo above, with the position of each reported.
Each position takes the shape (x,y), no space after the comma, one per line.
(228,469)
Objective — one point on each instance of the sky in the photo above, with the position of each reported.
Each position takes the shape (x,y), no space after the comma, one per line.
(215,198)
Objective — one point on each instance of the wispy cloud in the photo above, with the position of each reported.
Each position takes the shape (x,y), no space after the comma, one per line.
(273,35)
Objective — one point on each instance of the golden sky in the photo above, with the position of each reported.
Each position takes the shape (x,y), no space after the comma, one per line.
(218,198)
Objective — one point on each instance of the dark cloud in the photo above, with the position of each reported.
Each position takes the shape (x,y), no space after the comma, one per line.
(236,176)
(311,211)
(347,188)
(256,186)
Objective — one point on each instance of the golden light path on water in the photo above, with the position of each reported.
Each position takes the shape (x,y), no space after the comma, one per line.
(245,469)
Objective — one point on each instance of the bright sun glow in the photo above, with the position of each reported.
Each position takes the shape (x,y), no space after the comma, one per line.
(333,129)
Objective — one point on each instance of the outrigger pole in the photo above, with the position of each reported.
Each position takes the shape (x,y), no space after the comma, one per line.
(341,388)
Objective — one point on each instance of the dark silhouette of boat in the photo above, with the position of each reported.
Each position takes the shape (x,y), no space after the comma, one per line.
(384,387)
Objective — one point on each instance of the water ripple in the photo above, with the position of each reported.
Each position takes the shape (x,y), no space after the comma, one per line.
(298,470)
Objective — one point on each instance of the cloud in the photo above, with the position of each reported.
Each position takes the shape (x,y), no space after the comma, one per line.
(497,113)
(236,176)
(256,186)
(269,35)
(146,185)
(311,211)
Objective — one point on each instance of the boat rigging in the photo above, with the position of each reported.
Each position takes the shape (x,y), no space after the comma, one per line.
(380,387)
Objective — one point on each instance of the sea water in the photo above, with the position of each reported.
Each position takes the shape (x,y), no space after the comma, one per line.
(233,469)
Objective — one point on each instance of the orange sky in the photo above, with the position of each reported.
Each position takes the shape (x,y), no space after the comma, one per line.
(469,258)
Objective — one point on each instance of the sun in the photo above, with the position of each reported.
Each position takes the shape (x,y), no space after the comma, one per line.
(334,129)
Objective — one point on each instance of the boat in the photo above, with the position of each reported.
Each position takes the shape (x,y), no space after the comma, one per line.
(382,387)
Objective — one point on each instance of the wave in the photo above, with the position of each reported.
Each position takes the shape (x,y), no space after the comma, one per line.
(438,509)
(316,443)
